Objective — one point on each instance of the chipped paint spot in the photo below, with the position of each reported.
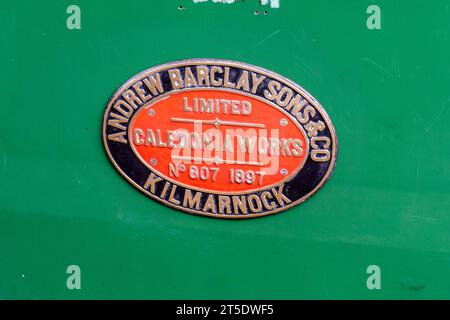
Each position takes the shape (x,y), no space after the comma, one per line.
(216,1)
(273,3)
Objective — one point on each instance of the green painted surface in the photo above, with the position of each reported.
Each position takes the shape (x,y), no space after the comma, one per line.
(388,204)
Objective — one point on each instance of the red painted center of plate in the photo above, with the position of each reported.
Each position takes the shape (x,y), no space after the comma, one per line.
(218,141)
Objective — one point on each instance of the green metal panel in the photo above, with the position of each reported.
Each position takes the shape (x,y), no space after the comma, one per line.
(387,204)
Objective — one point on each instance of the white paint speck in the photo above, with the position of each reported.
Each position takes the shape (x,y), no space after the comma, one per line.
(273,3)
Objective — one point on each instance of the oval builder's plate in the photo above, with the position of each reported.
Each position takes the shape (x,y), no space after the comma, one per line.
(219,138)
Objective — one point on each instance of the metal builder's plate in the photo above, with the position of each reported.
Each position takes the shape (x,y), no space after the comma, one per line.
(219,138)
